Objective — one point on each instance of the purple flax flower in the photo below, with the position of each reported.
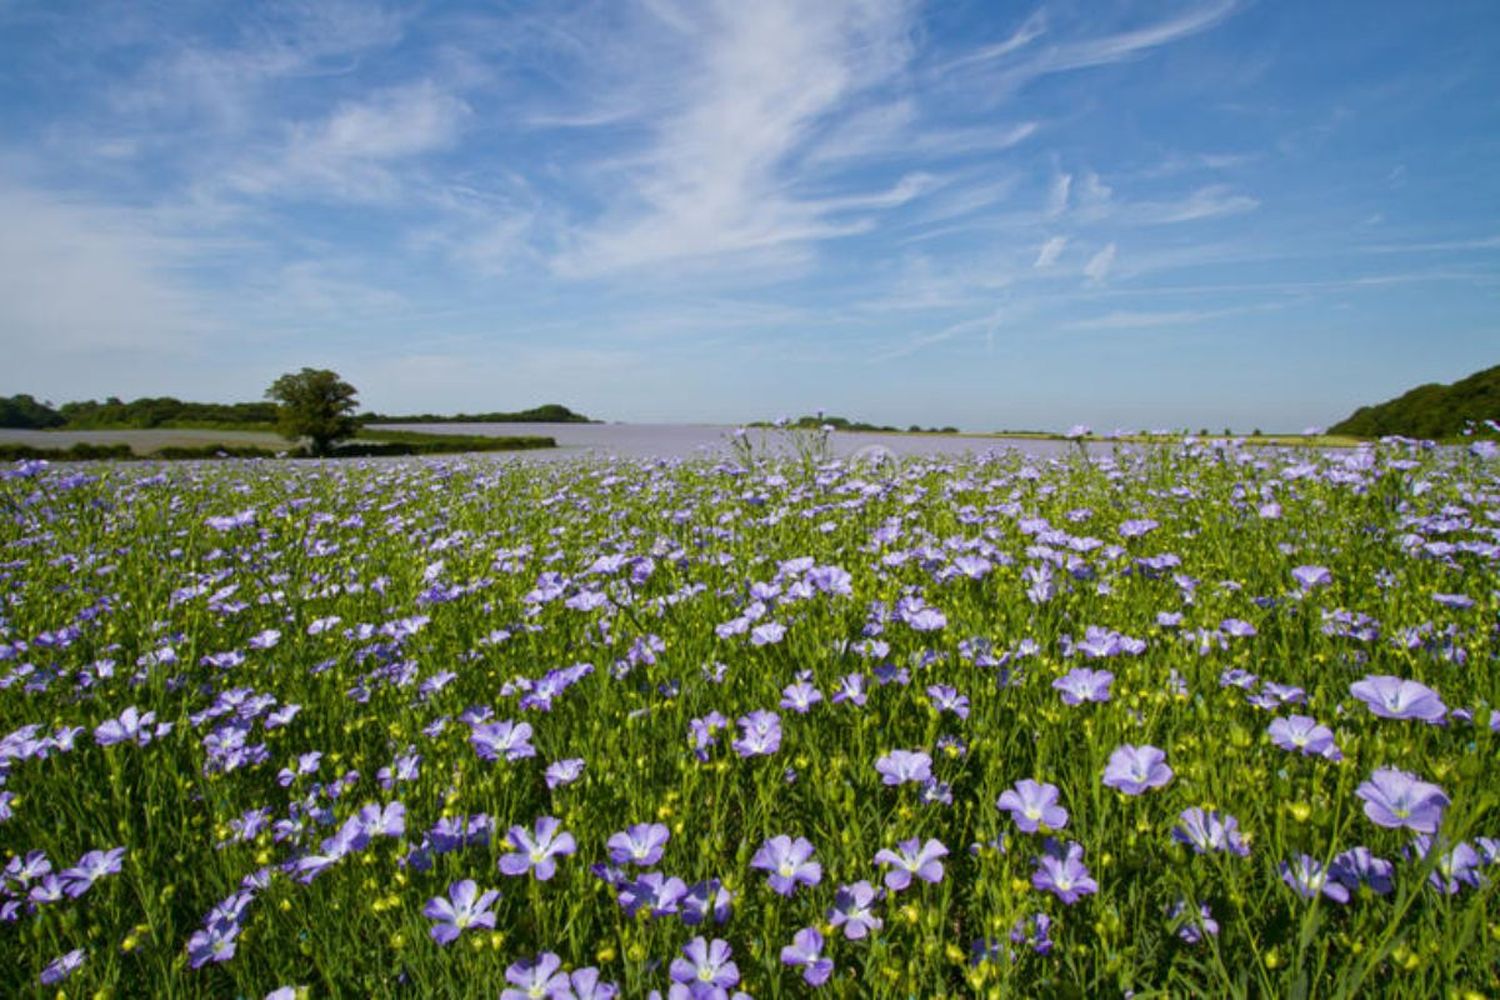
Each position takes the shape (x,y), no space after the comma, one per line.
(760,734)
(1357,866)
(212,944)
(48,889)
(563,772)
(90,868)
(509,739)
(378,821)
(23,871)
(706,969)
(453,832)
(934,792)
(1033,804)
(851,688)
(1455,868)
(1061,872)
(703,733)
(1206,832)
(901,766)
(1307,877)
(789,862)
(947,699)
(806,950)
(641,844)
(537,978)
(464,908)
(307,763)
(536,852)
(1134,769)
(1082,684)
(133,726)
(923,861)
(654,892)
(1275,695)
(1238,628)
(63,966)
(1034,931)
(1304,734)
(852,910)
(1308,577)
(800,697)
(406,767)
(1191,927)
(705,900)
(920,616)
(767,634)
(1396,799)
(1394,698)
(585,985)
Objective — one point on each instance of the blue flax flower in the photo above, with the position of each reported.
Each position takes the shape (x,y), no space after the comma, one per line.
(789,862)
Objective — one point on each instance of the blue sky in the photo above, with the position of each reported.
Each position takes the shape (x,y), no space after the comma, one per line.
(986,214)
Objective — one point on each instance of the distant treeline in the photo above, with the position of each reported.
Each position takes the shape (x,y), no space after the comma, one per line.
(845,424)
(549,413)
(138,414)
(26,412)
(1432,411)
(438,445)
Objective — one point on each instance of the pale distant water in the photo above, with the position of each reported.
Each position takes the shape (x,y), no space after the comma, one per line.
(670,441)
(712,441)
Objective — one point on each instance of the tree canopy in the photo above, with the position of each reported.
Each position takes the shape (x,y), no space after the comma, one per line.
(1430,411)
(315,404)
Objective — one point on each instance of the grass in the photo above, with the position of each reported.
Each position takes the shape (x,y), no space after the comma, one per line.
(608,605)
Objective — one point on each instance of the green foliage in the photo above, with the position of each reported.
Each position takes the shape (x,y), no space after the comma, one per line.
(315,404)
(161,411)
(1430,411)
(813,423)
(408,444)
(81,452)
(25,412)
(549,413)
(444,444)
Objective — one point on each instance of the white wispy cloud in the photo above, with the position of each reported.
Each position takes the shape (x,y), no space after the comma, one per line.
(1057,194)
(996,72)
(713,179)
(1204,203)
(919,342)
(1137,320)
(1441,246)
(225,82)
(1034,27)
(77,277)
(1099,265)
(1130,44)
(1049,252)
(349,152)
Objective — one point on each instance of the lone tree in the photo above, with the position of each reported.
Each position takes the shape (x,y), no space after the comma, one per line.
(315,404)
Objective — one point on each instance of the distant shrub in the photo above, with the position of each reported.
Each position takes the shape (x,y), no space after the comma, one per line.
(81,452)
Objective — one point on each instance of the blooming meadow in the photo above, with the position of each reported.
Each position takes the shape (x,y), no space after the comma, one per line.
(1195,719)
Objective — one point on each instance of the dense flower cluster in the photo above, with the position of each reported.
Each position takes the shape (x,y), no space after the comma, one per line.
(1201,718)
